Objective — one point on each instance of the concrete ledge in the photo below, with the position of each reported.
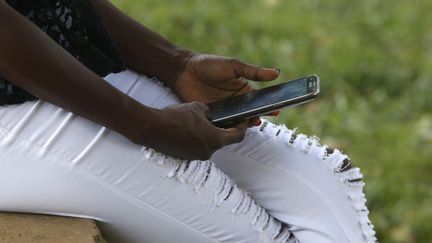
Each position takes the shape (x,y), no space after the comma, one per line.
(36,228)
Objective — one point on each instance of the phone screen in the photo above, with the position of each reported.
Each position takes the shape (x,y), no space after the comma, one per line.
(266,98)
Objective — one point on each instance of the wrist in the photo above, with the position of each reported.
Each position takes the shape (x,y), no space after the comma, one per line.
(181,60)
(138,120)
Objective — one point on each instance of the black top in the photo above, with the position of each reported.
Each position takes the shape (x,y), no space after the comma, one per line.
(76,26)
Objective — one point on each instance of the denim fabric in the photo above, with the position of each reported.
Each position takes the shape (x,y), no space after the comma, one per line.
(274,186)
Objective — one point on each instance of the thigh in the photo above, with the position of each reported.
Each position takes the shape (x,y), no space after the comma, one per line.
(294,177)
(318,193)
(148,91)
(55,162)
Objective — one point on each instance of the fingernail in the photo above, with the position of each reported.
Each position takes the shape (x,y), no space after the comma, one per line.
(278,70)
(258,122)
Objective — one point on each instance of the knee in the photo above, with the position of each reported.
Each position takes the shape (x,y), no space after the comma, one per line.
(311,147)
(327,171)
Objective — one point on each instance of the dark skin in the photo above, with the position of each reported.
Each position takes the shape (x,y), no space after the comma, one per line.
(31,60)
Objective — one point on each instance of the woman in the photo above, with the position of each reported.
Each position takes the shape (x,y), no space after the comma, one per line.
(138,154)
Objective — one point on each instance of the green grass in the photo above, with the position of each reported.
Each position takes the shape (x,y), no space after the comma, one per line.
(375,62)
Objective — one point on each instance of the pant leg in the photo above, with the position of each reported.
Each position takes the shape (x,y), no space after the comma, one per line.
(329,205)
(300,184)
(55,162)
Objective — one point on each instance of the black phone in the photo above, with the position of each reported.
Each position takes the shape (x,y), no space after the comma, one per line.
(264,101)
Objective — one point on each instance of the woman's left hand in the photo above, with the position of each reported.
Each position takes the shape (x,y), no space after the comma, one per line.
(207,78)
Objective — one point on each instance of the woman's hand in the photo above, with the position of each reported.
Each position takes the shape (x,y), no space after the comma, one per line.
(208,78)
(184,131)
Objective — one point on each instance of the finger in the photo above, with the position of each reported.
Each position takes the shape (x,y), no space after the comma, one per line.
(254,72)
(201,107)
(236,133)
(275,113)
(255,121)
(245,88)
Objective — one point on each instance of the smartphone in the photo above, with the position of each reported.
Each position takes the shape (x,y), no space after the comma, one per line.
(264,101)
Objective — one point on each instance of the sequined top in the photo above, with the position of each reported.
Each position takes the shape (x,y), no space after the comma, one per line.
(76,26)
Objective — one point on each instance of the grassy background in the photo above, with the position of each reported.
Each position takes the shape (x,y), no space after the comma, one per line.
(375,62)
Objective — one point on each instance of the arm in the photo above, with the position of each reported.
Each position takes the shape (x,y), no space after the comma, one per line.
(192,76)
(31,60)
(142,49)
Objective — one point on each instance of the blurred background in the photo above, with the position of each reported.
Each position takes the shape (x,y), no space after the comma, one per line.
(375,62)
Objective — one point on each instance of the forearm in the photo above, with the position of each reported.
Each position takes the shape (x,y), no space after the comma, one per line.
(142,49)
(31,60)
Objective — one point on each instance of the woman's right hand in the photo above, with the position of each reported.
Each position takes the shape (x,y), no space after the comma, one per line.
(184,131)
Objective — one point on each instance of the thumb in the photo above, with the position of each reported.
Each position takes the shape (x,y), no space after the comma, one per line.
(201,107)
(254,72)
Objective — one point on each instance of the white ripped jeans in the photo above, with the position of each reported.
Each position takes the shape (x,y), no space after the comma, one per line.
(274,186)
